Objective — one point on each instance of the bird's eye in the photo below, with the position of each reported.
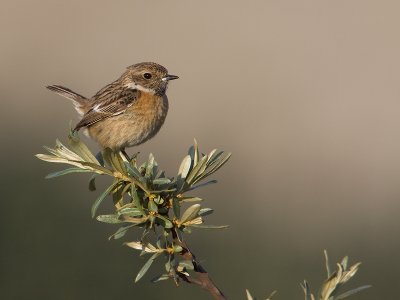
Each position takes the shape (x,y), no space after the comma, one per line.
(147,75)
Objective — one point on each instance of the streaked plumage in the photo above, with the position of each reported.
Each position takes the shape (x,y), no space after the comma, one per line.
(126,112)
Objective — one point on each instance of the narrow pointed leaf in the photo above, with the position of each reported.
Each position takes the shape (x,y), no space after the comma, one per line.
(352,292)
(110,219)
(67,171)
(100,199)
(146,266)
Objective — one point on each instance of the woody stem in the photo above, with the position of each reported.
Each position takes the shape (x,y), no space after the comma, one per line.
(203,279)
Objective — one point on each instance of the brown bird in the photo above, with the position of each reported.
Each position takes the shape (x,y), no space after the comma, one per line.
(126,112)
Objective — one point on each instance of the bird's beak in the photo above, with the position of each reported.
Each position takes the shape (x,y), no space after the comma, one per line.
(169,77)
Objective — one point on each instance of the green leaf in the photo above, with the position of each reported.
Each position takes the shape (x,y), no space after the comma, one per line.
(205,211)
(202,185)
(165,222)
(110,219)
(197,170)
(249,296)
(176,207)
(121,231)
(185,167)
(100,199)
(150,167)
(136,200)
(146,266)
(133,171)
(81,149)
(328,268)
(190,199)
(152,206)
(67,171)
(160,278)
(190,213)
(216,167)
(130,211)
(203,226)
(351,292)
(160,181)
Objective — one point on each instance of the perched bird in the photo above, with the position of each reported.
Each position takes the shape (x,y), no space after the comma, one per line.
(126,112)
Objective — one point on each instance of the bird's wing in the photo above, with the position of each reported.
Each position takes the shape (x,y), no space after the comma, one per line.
(111,102)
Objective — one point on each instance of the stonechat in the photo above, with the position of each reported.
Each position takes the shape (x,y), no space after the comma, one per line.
(126,112)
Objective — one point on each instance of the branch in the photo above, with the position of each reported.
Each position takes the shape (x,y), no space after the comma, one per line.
(203,279)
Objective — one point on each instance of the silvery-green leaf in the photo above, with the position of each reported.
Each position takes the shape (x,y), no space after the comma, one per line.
(160,278)
(121,232)
(216,167)
(111,219)
(130,211)
(205,211)
(203,226)
(165,222)
(100,199)
(176,207)
(197,170)
(146,266)
(150,167)
(344,262)
(190,199)
(160,181)
(152,206)
(328,268)
(67,171)
(351,292)
(81,149)
(271,295)
(202,185)
(185,167)
(249,296)
(133,171)
(135,199)
(190,213)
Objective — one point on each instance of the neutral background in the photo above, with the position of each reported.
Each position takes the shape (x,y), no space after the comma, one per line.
(304,93)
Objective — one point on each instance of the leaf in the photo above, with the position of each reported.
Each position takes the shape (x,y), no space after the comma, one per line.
(152,206)
(183,171)
(100,199)
(190,199)
(271,295)
(121,231)
(353,291)
(67,171)
(202,185)
(130,211)
(150,167)
(197,170)
(190,213)
(176,207)
(216,167)
(165,222)
(249,296)
(146,266)
(160,181)
(160,278)
(136,200)
(80,148)
(203,226)
(110,219)
(328,268)
(205,212)
(133,171)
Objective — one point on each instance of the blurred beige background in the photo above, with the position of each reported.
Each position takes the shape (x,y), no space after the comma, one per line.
(305,94)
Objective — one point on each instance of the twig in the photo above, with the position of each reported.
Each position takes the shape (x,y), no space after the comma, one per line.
(203,279)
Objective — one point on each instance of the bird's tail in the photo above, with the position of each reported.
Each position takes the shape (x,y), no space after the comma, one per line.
(79,101)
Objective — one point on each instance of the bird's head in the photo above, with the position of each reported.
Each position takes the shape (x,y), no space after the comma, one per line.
(147,77)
